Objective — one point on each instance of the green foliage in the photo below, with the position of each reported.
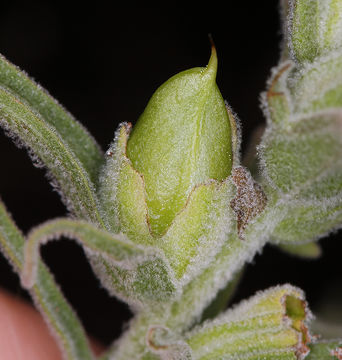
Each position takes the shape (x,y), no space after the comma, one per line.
(46,295)
(54,139)
(174,217)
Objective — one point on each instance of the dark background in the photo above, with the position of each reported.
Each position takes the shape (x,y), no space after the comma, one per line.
(103,64)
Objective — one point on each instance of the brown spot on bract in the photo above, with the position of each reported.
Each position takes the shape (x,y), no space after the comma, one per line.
(249,201)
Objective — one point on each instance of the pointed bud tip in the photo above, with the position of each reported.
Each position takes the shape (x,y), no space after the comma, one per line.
(211,68)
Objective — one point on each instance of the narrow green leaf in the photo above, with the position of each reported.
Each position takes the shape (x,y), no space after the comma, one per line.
(48,110)
(48,299)
(270,325)
(49,148)
(136,274)
(310,250)
(325,350)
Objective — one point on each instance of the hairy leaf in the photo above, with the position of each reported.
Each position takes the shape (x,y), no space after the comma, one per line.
(136,274)
(48,299)
(47,145)
(302,163)
(48,110)
(315,28)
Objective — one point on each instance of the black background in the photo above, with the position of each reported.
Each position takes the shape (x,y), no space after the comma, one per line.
(103,63)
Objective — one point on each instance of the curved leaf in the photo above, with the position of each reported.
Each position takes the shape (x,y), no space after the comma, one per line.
(48,110)
(46,144)
(49,300)
(136,274)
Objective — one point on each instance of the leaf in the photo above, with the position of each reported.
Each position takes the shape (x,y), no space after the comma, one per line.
(302,165)
(325,350)
(74,135)
(136,274)
(270,325)
(315,28)
(47,297)
(303,32)
(45,143)
(309,250)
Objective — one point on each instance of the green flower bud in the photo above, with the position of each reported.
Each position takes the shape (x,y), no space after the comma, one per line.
(182,139)
(167,182)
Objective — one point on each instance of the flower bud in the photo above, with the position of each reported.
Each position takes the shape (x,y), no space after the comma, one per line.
(182,139)
(167,183)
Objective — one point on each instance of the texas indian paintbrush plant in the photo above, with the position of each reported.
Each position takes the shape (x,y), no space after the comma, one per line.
(168,216)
